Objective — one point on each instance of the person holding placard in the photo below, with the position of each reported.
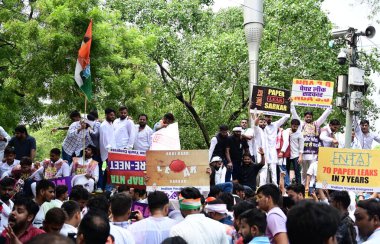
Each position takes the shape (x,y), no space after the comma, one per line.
(310,130)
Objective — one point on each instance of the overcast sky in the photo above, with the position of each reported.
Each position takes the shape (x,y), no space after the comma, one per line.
(343,14)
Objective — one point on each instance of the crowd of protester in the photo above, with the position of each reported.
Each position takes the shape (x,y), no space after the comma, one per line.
(262,187)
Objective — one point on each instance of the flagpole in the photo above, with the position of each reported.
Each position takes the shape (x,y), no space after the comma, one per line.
(84,134)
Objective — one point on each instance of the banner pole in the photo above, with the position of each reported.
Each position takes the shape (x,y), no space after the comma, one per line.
(84,133)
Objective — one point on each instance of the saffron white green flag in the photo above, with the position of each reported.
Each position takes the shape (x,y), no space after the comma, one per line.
(82,70)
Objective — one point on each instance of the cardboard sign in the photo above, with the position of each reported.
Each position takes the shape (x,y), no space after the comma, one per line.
(126,167)
(270,101)
(174,170)
(166,138)
(63,181)
(348,169)
(312,93)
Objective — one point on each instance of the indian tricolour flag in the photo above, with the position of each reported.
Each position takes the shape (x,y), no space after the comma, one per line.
(82,69)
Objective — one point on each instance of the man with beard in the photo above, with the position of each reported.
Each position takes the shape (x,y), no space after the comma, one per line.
(310,131)
(24,144)
(85,171)
(45,192)
(365,138)
(268,143)
(252,227)
(125,132)
(144,134)
(6,193)
(54,167)
(107,134)
(235,148)
(20,228)
(328,134)
(238,209)
(367,219)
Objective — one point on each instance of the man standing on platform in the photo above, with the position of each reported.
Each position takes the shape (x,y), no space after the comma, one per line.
(144,134)
(125,131)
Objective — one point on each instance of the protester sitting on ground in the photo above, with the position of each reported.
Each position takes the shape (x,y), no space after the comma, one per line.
(346,233)
(73,218)
(85,172)
(10,160)
(20,228)
(312,223)
(268,199)
(94,229)
(54,167)
(155,228)
(6,193)
(79,195)
(217,210)
(54,220)
(197,228)
(252,227)
(367,219)
(45,192)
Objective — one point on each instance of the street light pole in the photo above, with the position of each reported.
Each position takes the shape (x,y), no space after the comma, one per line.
(253,27)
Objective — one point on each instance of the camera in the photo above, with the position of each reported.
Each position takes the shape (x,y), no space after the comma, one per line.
(342,57)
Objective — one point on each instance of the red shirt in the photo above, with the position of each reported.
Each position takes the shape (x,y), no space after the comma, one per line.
(26,236)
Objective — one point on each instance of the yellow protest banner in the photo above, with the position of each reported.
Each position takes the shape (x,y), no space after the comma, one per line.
(348,169)
(312,93)
(176,169)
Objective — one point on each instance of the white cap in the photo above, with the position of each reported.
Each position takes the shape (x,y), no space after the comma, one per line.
(216,159)
(237,129)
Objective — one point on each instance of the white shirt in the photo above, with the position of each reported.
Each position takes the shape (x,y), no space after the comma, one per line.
(374,238)
(152,230)
(220,175)
(143,138)
(270,132)
(125,133)
(213,143)
(365,140)
(94,173)
(4,167)
(5,212)
(198,229)
(312,171)
(249,132)
(121,235)
(3,144)
(317,123)
(106,139)
(327,136)
(66,229)
(296,142)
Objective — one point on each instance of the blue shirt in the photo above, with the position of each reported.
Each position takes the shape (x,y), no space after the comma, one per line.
(260,240)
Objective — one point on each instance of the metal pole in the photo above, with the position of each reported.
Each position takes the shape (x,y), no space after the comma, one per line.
(347,141)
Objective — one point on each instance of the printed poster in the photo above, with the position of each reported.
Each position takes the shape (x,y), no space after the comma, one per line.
(312,93)
(166,138)
(348,169)
(173,170)
(63,181)
(270,101)
(126,167)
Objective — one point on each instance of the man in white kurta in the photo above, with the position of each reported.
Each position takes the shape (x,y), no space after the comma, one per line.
(328,134)
(125,131)
(268,141)
(364,137)
(10,160)
(144,134)
(196,227)
(85,172)
(6,193)
(107,134)
(55,167)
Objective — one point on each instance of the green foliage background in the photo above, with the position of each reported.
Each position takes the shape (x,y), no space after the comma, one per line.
(156,56)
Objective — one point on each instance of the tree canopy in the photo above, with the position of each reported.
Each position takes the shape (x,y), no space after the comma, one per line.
(156,57)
